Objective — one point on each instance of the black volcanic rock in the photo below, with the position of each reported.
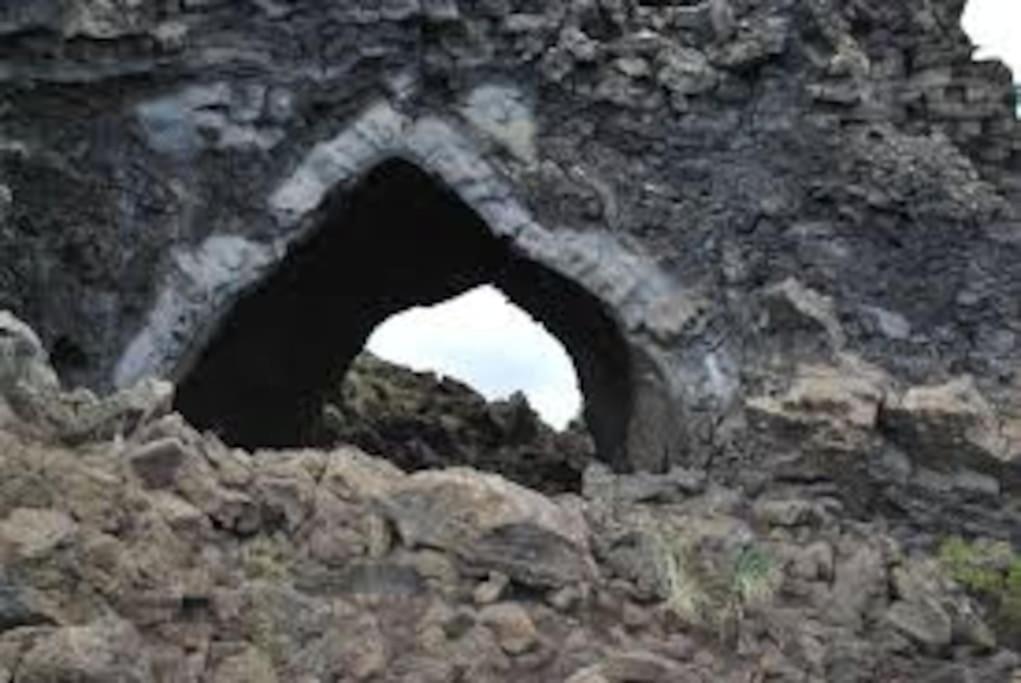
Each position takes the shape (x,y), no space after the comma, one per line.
(419,420)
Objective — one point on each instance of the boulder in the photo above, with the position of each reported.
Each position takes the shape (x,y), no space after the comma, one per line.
(946,422)
(98,652)
(835,406)
(924,620)
(491,524)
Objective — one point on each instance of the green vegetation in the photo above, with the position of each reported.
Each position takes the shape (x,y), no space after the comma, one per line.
(990,571)
(755,578)
(713,591)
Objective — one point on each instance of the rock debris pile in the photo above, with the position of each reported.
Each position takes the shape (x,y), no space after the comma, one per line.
(135,549)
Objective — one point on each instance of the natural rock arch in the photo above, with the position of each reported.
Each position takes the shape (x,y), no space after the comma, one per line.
(630,305)
(396,240)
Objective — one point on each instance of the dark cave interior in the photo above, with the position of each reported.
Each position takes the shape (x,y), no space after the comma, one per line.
(398,239)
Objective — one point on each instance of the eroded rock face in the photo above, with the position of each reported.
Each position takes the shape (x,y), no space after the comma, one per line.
(692,166)
(757,192)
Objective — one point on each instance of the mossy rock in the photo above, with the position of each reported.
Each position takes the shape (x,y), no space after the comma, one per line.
(991,572)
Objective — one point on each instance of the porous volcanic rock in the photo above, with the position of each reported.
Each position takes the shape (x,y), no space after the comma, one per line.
(780,241)
(746,191)
(420,420)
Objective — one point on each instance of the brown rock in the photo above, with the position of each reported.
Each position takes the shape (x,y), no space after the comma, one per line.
(946,422)
(353,476)
(285,487)
(513,627)
(836,406)
(157,463)
(922,620)
(35,532)
(100,652)
(491,524)
(860,580)
(640,666)
(250,666)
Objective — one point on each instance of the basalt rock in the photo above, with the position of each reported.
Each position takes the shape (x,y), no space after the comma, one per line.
(165,555)
(780,241)
(703,201)
(31,395)
(420,420)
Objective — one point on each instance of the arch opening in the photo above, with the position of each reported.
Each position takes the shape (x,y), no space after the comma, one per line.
(482,339)
(396,240)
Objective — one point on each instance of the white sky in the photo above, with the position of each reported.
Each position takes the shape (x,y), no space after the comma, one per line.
(995,26)
(483,339)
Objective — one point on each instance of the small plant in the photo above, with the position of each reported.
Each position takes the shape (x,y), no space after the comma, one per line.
(710,590)
(991,572)
(684,592)
(756,577)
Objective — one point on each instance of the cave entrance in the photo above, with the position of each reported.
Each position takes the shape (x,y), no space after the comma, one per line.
(398,239)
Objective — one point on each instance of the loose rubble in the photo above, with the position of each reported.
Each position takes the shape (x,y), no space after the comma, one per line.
(165,555)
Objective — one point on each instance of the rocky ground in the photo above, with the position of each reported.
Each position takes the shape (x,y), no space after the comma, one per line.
(136,549)
(781,240)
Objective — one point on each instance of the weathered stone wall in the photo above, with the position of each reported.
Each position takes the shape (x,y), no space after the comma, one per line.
(798,211)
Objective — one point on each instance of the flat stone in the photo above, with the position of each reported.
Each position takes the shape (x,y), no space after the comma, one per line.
(923,621)
(640,666)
